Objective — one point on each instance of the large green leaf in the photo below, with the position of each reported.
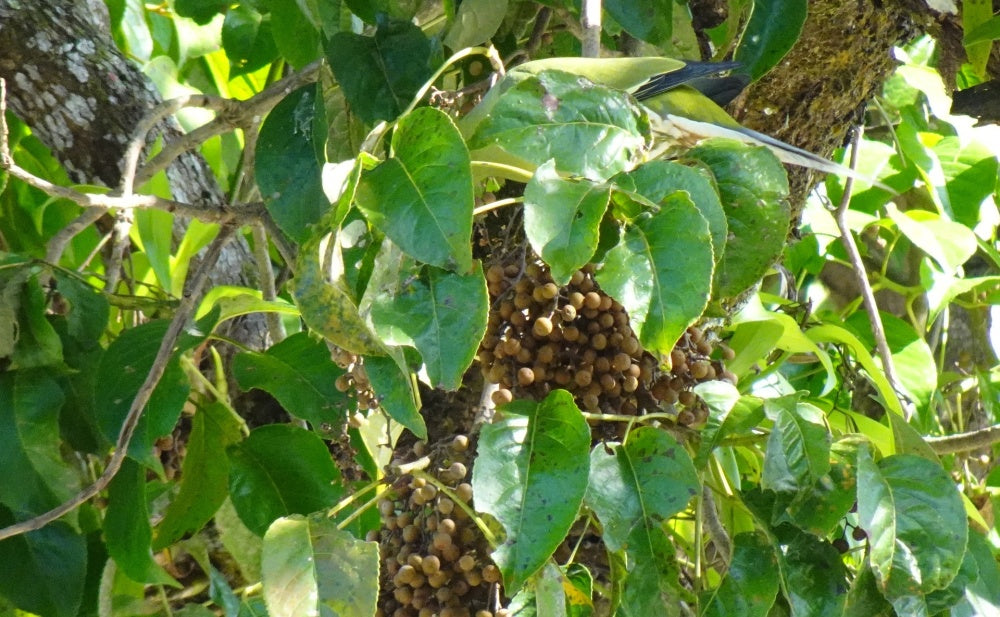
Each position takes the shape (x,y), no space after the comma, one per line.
(247,40)
(590,130)
(442,314)
(381,74)
(396,390)
(422,197)
(798,449)
(754,191)
(916,526)
(299,373)
(652,584)
(127,532)
(774,27)
(286,168)
(295,34)
(88,309)
(950,244)
(122,371)
(531,475)
(647,20)
(280,470)
(864,597)
(658,179)
(728,414)
(561,219)
(43,571)
(661,272)
(750,585)
(820,508)
(36,477)
(309,567)
(202,11)
(980,597)
(647,480)
(204,474)
(475,22)
(812,573)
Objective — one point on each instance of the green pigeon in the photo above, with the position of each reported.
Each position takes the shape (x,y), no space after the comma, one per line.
(683,99)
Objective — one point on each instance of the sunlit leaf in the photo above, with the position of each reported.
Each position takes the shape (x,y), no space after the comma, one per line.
(798,449)
(774,27)
(396,390)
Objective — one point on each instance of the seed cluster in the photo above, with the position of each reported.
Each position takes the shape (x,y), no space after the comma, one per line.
(355,381)
(435,561)
(542,336)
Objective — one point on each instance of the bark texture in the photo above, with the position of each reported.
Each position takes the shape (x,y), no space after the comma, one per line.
(83,99)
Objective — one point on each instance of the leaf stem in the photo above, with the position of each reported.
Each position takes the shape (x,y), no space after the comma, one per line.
(495,205)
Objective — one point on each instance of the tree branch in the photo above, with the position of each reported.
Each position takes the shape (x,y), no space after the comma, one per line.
(964,442)
(182,317)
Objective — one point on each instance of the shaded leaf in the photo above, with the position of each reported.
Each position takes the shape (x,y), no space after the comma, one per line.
(247,40)
(774,27)
(798,449)
(813,574)
(820,508)
(396,390)
(309,567)
(475,22)
(647,20)
(726,416)
(750,585)
(294,33)
(531,475)
(661,272)
(266,482)
(300,374)
(652,585)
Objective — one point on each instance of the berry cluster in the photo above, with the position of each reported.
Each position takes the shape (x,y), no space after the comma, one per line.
(691,362)
(355,381)
(435,561)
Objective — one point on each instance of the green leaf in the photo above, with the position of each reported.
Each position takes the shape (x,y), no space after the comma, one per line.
(204,474)
(88,309)
(971,169)
(989,30)
(396,390)
(652,584)
(774,27)
(646,20)
(753,188)
(309,567)
(975,13)
(750,586)
(658,179)
(561,219)
(916,526)
(798,449)
(940,600)
(442,314)
(201,11)
(475,22)
(813,574)
(661,272)
(300,374)
(422,197)
(864,598)
(121,373)
(647,480)
(590,130)
(531,475)
(820,508)
(43,571)
(247,40)
(380,75)
(294,33)
(280,470)
(725,417)
(286,168)
(579,588)
(980,597)
(35,341)
(950,244)
(36,477)
(126,527)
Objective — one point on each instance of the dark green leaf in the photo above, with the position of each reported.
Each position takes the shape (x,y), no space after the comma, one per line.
(422,197)
(916,525)
(201,11)
(754,191)
(475,22)
(295,34)
(531,475)
(661,272)
(309,567)
(126,527)
(42,572)
(35,341)
(813,574)
(561,220)
(980,597)
(750,586)
(652,585)
(820,508)
(658,179)
(88,309)
(590,130)
(798,449)
(940,600)
(443,315)
(204,474)
(774,27)
(647,20)
(396,390)
(645,481)
(247,39)
(221,593)
(286,168)
(865,598)
(35,476)
(725,417)
(280,470)
(299,373)
(380,75)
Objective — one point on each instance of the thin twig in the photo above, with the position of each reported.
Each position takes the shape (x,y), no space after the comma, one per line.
(861,274)
(590,19)
(181,319)
(714,526)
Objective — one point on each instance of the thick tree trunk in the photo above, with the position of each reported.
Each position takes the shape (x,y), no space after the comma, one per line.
(83,99)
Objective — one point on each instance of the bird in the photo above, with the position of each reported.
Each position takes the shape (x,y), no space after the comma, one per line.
(683,100)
